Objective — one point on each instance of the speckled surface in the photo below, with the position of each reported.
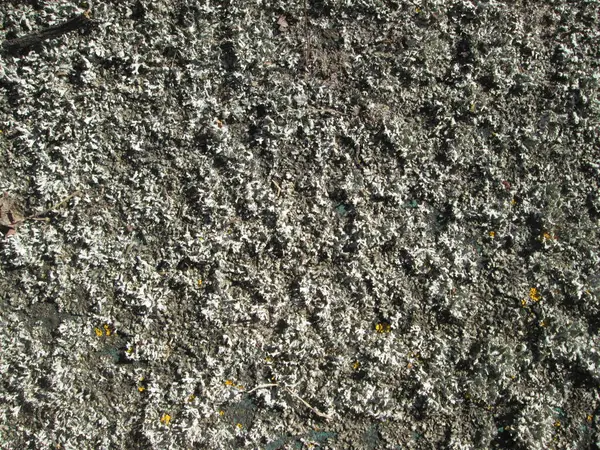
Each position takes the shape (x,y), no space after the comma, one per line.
(367,224)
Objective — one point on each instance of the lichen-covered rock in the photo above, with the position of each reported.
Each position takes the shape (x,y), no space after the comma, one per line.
(382,215)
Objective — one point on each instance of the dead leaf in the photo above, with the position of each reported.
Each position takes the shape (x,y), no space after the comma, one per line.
(283,25)
(10,215)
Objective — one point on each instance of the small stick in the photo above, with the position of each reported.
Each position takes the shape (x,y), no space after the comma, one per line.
(293,394)
(313,409)
(29,40)
(262,386)
(36,216)
(278,188)
(307,38)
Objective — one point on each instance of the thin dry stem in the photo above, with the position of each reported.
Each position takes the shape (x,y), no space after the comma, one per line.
(293,394)
(52,208)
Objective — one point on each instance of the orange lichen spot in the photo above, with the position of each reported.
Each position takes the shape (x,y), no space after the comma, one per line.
(165,419)
(534,295)
(228,383)
(141,387)
(383,327)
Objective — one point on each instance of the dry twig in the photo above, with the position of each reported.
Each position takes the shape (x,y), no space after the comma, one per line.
(52,208)
(21,43)
(296,396)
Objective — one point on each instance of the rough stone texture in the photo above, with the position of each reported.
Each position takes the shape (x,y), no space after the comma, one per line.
(386,212)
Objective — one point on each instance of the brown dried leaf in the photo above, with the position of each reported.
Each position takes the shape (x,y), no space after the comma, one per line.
(283,24)
(10,215)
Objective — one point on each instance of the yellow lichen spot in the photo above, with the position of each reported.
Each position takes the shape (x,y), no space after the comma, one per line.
(589,418)
(513,201)
(191,398)
(492,234)
(524,302)
(546,236)
(268,359)
(472,107)
(107,329)
(130,350)
(240,387)
(199,283)
(557,423)
(543,323)
(240,426)
(165,419)
(221,413)
(141,387)
(98,331)
(417,10)
(356,365)
(383,327)
(228,383)
(534,295)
